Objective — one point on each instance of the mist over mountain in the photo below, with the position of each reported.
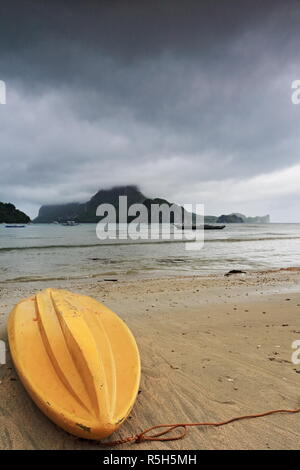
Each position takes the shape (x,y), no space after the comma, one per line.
(86,212)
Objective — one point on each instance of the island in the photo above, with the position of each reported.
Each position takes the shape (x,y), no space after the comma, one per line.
(85,212)
(10,215)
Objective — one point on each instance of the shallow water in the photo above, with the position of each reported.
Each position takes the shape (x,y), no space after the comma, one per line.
(48,251)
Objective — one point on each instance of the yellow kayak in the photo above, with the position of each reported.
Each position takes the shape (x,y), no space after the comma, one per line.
(77,359)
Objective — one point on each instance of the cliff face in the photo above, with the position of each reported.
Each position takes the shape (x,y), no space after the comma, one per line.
(110,196)
(57,212)
(86,212)
(9,214)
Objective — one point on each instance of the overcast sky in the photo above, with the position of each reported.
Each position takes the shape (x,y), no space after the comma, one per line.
(191,100)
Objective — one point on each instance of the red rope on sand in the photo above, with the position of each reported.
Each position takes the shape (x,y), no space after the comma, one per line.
(143,436)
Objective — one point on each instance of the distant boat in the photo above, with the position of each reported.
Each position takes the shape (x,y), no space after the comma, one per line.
(70,223)
(15,226)
(213,227)
(200,227)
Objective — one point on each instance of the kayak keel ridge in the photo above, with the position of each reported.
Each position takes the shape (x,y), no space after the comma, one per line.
(77,359)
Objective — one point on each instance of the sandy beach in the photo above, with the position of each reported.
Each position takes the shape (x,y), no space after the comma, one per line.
(212,347)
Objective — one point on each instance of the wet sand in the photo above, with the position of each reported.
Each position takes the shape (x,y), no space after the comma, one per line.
(211,348)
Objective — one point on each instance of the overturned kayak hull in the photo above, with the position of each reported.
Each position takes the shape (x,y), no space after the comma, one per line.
(77,359)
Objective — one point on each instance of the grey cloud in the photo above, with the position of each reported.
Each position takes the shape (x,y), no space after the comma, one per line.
(161,94)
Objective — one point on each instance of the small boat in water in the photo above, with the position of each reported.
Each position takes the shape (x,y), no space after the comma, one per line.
(15,226)
(200,227)
(213,227)
(70,223)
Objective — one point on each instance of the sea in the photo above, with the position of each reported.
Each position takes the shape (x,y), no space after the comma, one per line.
(44,252)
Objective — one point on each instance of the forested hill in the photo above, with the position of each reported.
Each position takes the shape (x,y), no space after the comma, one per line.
(9,214)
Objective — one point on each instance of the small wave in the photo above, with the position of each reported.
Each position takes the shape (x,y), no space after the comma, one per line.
(128,243)
(42,279)
(256,239)
(44,247)
(145,242)
(59,278)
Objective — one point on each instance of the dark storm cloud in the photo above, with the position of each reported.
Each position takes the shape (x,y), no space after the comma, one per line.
(170,95)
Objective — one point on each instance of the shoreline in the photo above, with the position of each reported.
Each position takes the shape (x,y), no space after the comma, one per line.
(212,347)
(140,276)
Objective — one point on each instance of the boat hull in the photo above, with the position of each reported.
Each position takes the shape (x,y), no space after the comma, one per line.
(77,359)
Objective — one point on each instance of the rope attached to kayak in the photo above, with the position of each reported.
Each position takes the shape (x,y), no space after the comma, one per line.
(183,427)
